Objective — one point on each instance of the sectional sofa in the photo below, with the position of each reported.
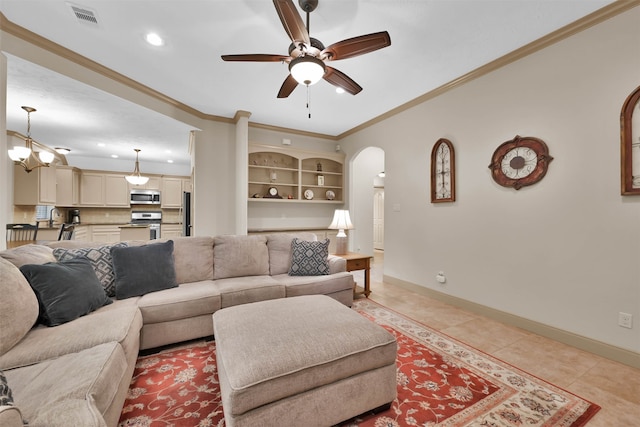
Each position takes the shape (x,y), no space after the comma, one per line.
(77,373)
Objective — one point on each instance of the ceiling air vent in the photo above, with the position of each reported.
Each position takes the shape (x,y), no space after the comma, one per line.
(84,15)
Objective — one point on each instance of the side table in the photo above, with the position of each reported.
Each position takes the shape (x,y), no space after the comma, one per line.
(357,261)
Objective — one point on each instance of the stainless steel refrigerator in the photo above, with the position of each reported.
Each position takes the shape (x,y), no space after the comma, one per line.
(186,213)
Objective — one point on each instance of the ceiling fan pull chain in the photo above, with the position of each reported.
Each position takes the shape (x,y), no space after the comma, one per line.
(308,101)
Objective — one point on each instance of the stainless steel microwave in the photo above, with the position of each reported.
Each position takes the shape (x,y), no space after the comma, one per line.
(145,197)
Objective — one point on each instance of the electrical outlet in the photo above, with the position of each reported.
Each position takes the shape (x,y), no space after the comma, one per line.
(625,320)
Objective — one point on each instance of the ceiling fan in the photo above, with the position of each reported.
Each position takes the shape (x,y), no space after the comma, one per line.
(308,56)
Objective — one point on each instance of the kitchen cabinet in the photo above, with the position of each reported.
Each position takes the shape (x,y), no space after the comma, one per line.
(171,196)
(81,233)
(116,191)
(37,187)
(67,186)
(105,233)
(92,189)
(168,231)
(104,189)
(187,185)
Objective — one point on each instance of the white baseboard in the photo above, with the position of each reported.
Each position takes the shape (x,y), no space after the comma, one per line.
(592,346)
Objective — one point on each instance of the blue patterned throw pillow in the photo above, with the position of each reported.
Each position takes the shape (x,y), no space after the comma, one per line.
(309,258)
(100,259)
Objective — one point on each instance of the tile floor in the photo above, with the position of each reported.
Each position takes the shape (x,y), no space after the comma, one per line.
(612,385)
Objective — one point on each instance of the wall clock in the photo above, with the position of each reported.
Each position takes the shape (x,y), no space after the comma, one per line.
(630,150)
(520,162)
(443,182)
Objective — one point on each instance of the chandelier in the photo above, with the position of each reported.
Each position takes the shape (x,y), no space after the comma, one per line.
(135,178)
(25,156)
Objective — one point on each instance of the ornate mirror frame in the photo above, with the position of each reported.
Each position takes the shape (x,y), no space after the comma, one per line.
(627,146)
(443,172)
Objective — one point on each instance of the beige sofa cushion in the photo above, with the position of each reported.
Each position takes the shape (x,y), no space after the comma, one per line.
(28,254)
(279,245)
(18,306)
(193,258)
(118,322)
(238,256)
(72,390)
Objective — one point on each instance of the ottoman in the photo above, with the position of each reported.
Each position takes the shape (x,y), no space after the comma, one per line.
(301,361)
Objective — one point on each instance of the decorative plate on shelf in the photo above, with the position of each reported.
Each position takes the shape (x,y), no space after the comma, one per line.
(308,194)
(330,195)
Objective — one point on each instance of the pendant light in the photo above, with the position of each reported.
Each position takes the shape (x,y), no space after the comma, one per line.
(25,156)
(135,178)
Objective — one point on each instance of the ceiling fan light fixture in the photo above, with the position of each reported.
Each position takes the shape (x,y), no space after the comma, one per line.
(307,70)
(135,178)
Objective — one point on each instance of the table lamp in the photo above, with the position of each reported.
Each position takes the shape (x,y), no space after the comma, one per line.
(341,221)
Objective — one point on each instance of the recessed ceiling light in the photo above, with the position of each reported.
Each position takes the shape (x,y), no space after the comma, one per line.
(154,39)
(169,161)
(101,144)
(115,156)
(63,151)
(339,90)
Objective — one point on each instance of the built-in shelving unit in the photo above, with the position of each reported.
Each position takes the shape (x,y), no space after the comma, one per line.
(298,175)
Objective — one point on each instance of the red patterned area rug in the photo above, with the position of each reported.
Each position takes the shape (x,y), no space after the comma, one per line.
(441,382)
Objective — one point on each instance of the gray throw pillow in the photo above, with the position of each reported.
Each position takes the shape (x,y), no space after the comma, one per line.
(309,258)
(65,290)
(143,269)
(100,259)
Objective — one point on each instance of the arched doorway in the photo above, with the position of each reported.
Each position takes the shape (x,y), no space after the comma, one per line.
(364,182)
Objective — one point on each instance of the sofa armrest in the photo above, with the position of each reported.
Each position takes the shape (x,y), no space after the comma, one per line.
(10,416)
(337,264)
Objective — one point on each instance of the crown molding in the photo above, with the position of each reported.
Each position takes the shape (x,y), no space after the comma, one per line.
(569,30)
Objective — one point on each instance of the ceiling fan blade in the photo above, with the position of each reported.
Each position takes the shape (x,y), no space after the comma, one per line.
(357,46)
(256,57)
(291,21)
(340,79)
(288,86)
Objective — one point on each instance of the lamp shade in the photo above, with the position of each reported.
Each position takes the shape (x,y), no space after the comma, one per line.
(46,156)
(341,220)
(19,153)
(307,70)
(137,179)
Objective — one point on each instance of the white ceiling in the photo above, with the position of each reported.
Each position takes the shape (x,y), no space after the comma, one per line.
(432,43)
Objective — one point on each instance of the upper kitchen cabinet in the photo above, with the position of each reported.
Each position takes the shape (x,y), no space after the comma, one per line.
(116,191)
(171,196)
(103,189)
(37,187)
(67,186)
(92,189)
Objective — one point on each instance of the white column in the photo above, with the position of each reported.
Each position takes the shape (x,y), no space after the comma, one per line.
(242,170)
(6,166)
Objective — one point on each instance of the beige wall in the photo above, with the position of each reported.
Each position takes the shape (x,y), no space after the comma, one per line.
(564,252)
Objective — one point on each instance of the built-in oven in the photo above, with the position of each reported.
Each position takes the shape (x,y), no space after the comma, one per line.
(151,218)
(145,197)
